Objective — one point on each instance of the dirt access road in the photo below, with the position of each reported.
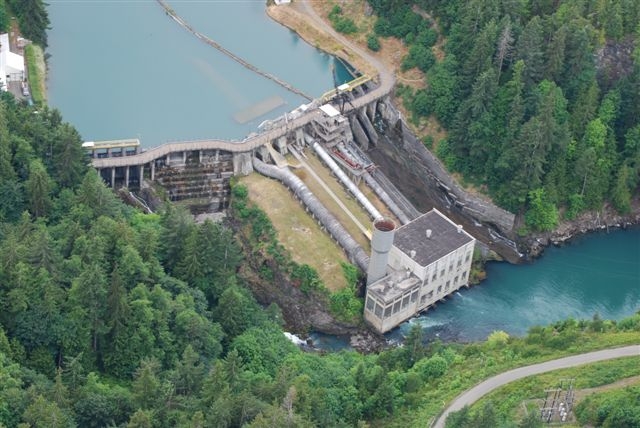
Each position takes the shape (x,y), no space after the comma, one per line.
(303,9)
(474,394)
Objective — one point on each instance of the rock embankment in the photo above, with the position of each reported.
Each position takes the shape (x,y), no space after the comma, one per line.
(592,221)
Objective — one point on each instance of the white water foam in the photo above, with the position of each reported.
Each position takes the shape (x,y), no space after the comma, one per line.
(294,339)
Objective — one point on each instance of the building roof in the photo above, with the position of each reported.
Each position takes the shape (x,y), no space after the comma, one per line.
(445,238)
(9,61)
(393,285)
(329,110)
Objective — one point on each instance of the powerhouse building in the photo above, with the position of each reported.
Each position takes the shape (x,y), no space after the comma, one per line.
(413,266)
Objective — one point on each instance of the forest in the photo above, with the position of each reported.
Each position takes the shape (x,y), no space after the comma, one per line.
(110,317)
(540,99)
(32,17)
(113,317)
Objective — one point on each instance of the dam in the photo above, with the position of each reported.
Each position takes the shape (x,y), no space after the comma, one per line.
(508,300)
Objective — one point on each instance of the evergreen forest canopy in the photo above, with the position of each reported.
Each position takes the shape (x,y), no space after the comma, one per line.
(112,317)
(32,16)
(541,99)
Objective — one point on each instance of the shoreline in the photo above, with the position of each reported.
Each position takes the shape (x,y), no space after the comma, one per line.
(295,18)
(298,21)
(587,223)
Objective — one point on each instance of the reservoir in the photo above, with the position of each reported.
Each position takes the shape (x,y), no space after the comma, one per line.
(123,69)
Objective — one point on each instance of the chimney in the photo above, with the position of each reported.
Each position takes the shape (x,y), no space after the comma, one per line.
(381,243)
(428,233)
(413,254)
(459,228)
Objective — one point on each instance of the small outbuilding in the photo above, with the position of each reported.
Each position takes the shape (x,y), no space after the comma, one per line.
(11,64)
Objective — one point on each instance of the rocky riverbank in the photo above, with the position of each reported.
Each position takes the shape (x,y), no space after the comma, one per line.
(592,221)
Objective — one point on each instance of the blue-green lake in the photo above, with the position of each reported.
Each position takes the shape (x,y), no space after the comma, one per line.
(124,69)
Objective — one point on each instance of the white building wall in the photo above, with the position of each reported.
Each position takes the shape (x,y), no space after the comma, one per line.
(439,279)
(454,276)
(384,317)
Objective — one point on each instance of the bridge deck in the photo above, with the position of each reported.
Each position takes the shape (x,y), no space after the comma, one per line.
(346,87)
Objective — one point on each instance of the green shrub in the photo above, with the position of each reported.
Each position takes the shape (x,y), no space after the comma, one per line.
(427,140)
(340,23)
(497,339)
(446,155)
(616,408)
(542,214)
(307,278)
(373,43)
(431,368)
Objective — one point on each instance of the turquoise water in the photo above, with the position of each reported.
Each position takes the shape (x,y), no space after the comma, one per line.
(597,273)
(124,69)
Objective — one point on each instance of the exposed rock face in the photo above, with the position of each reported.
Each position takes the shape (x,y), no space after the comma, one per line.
(422,178)
(614,60)
(424,181)
(305,313)
(366,341)
(302,312)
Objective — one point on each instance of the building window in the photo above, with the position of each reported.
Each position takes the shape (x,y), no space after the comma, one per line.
(426,280)
(464,275)
(423,299)
(378,311)
(387,311)
(441,273)
(466,259)
(435,275)
(440,289)
(459,261)
(405,301)
(370,304)
(446,287)
(455,280)
(414,296)
(430,295)
(450,267)
(396,306)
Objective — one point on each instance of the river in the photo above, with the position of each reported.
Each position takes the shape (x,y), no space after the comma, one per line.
(122,69)
(595,273)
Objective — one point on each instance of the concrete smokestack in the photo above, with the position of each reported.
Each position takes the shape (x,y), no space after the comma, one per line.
(381,243)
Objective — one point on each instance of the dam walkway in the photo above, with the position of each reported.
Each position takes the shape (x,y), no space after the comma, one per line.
(370,90)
